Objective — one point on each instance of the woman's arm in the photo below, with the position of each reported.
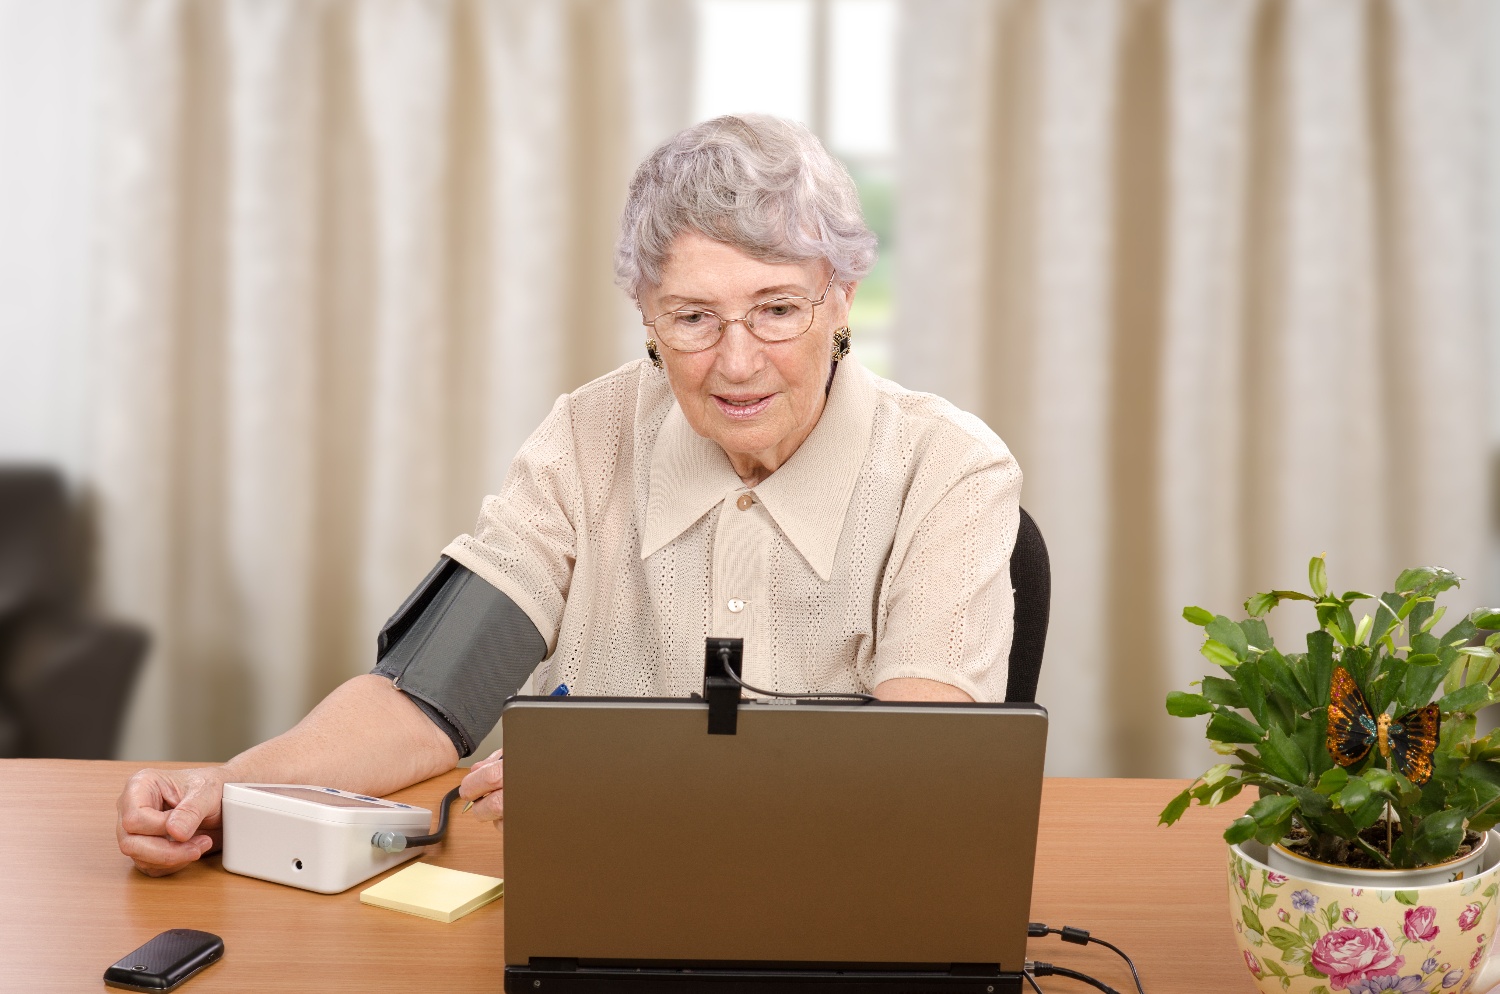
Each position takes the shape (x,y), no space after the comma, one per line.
(917,689)
(366,736)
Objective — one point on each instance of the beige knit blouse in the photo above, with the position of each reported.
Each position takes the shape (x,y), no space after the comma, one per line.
(880,549)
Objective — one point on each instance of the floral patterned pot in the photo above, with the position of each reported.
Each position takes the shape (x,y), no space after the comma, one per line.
(1303,936)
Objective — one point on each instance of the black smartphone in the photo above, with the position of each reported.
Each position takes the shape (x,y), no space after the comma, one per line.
(166,961)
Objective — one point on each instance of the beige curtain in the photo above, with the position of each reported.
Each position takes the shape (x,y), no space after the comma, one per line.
(350,252)
(1212,270)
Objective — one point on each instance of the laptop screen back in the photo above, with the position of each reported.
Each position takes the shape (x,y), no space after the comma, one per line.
(880,834)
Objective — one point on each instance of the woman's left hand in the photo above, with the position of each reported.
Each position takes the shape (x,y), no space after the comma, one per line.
(484,788)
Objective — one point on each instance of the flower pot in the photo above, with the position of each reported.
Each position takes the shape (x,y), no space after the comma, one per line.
(1361,934)
(1281,859)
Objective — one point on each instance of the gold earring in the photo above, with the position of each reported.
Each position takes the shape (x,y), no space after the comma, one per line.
(652,354)
(840,343)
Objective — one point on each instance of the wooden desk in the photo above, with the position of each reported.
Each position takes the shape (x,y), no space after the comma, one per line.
(70,904)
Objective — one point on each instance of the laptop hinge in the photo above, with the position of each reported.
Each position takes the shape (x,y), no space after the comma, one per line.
(553,964)
(719,689)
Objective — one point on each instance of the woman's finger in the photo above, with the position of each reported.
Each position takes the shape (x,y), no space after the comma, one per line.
(491,807)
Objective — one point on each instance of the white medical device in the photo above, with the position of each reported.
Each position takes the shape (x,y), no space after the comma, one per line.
(316,838)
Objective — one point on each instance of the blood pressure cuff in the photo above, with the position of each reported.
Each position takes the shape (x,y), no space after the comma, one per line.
(458,648)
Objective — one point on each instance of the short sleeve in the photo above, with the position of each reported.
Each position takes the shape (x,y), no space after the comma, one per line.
(948,611)
(526,541)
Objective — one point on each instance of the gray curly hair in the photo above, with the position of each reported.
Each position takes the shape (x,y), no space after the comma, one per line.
(762,184)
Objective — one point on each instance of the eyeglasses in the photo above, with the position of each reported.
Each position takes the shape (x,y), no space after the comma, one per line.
(696,329)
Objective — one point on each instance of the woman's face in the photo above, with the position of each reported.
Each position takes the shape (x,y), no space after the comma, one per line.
(757,400)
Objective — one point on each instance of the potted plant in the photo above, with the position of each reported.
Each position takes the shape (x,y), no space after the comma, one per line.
(1366,863)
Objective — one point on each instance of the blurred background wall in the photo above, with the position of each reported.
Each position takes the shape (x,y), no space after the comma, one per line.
(284,284)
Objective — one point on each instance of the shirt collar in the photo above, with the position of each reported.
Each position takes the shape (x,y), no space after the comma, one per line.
(808,495)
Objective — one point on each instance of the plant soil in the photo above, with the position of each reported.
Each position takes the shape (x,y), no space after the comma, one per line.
(1346,854)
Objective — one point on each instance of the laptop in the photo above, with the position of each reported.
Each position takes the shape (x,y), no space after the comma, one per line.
(860,847)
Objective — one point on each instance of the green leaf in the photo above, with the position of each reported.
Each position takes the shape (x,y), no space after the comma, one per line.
(1343,618)
(1320,989)
(1368,814)
(1320,664)
(1362,630)
(1230,634)
(1197,615)
(1331,914)
(1175,808)
(1260,604)
(1424,674)
(1408,897)
(1219,654)
(1439,835)
(1380,780)
(1332,781)
(1354,795)
(1181,705)
(1313,804)
(1257,634)
(1253,691)
(1267,899)
(1284,757)
(1221,690)
(1284,938)
(1317,576)
(1312,971)
(1309,929)
(1467,699)
(1273,968)
(1487,618)
(1272,808)
(1427,580)
(1239,830)
(1251,918)
(1230,726)
(1275,671)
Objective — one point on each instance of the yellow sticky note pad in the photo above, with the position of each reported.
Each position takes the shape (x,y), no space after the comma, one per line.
(434,892)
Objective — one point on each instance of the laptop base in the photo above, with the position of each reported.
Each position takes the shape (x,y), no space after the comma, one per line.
(628,980)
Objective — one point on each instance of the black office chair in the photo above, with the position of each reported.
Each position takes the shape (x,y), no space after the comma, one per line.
(65,675)
(1031,578)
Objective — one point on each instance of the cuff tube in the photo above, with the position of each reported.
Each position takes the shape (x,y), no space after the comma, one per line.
(459,648)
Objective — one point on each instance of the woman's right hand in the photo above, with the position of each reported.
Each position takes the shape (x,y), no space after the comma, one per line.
(485,786)
(167,819)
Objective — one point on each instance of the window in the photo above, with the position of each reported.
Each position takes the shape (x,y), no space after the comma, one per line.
(830,64)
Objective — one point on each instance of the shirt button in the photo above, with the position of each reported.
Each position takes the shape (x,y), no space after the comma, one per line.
(736,605)
(744,502)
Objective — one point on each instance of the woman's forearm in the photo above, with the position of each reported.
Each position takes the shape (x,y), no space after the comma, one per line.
(366,736)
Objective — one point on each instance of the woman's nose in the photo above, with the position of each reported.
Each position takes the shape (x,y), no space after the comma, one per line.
(739,351)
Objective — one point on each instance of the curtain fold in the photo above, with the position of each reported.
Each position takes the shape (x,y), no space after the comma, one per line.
(350,252)
(1212,270)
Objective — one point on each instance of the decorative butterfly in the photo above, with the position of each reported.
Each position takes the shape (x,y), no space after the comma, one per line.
(1352,729)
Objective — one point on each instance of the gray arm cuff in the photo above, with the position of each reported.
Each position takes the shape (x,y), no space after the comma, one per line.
(459,647)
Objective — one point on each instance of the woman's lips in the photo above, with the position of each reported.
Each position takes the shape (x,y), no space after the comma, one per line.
(742,408)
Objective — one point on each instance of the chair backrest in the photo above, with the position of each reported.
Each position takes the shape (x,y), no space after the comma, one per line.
(1031,578)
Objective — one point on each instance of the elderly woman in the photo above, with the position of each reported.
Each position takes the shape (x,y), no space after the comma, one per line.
(747,479)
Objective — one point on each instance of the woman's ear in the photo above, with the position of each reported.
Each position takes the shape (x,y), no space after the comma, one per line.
(849,289)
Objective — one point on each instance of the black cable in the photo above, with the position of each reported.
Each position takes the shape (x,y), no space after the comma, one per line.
(1049,970)
(395,841)
(1032,981)
(852,695)
(1081,937)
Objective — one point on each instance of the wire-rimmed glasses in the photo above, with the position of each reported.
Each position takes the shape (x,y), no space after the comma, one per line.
(696,329)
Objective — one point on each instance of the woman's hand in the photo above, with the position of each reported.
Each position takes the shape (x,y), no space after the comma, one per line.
(485,787)
(166,819)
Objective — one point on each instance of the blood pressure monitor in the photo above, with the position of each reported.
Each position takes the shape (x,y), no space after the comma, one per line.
(315,838)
